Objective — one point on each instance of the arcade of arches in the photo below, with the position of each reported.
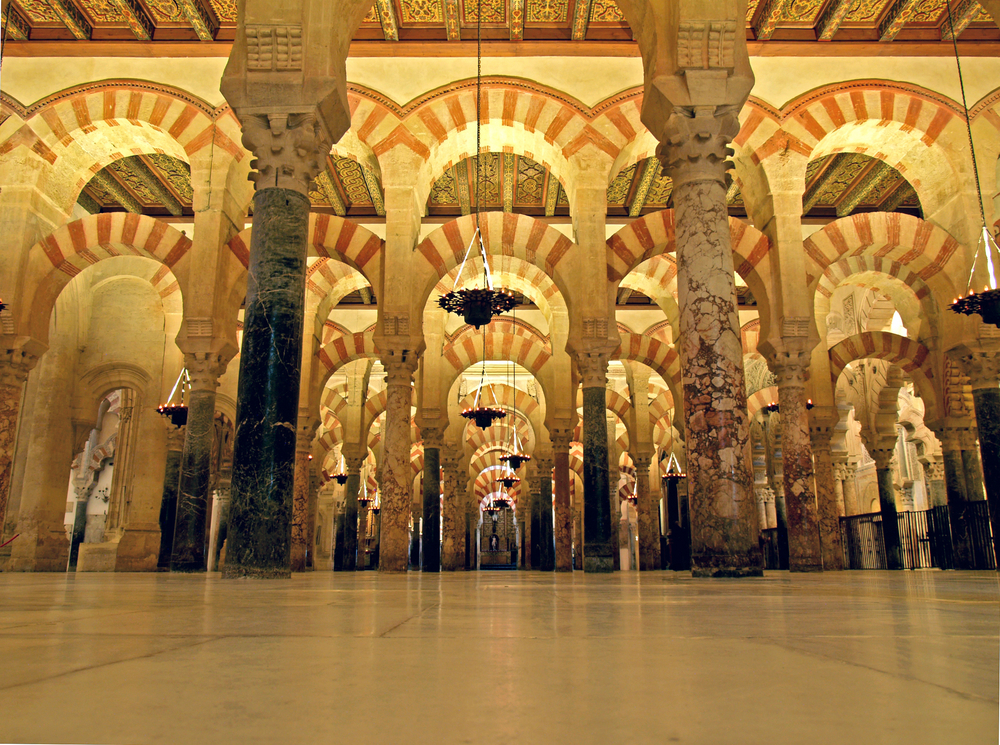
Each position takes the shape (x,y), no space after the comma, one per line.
(691,234)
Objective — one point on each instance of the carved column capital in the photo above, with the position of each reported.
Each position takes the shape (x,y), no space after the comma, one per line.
(982,368)
(15,364)
(205,369)
(450,458)
(543,464)
(841,471)
(289,148)
(642,461)
(432,435)
(882,457)
(561,438)
(790,366)
(593,368)
(695,141)
(354,461)
(305,432)
(934,469)
(764,494)
(400,371)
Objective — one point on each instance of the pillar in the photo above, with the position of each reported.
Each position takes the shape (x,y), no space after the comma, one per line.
(267,400)
(983,368)
(934,475)
(887,505)
(168,503)
(453,511)
(347,535)
(396,471)
(614,503)
(546,537)
(598,545)
(827,504)
(301,548)
(772,435)
(431,538)
(14,368)
(190,527)
(563,519)
(956,493)
(649,524)
(361,535)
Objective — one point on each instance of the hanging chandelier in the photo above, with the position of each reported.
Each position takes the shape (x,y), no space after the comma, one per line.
(341,476)
(477,305)
(986,264)
(479,412)
(363,498)
(673,471)
(177,412)
(508,480)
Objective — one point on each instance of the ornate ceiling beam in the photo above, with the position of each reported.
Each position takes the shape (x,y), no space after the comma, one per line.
(516,20)
(387,17)
(962,15)
(463,187)
(138,20)
(375,191)
(116,189)
(581,18)
(329,189)
(452,24)
(767,18)
(88,202)
(832,17)
(863,187)
(551,194)
(202,18)
(366,295)
(894,200)
(138,168)
(508,178)
(650,170)
(73,18)
(819,184)
(624,293)
(895,18)
(17,26)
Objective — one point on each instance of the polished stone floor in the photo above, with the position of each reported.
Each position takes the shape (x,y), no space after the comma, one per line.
(504,657)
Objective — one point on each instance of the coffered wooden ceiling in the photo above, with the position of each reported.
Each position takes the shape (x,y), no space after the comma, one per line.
(584,21)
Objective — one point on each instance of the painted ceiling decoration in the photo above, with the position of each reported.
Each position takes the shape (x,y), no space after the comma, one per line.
(348,189)
(156,185)
(507,20)
(511,183)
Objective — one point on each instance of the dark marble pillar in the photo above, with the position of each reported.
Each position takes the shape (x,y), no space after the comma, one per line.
(546,538)
(415,514)
(987,402)
(534,523)
(887,505)
(349,532)
(268,396)
(649,530)
(956,491)
(191,525)
(975,485)
(365,558)
(598,544)
(168,503)
(563,528)
(431,538)
(679,529)
(772,437)
(338,539)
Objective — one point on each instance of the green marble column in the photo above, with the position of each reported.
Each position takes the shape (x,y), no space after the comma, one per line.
(597,518)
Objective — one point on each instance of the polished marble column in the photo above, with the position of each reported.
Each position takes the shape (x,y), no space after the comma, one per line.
(563,527)
(887,504)
(772,428)
(983,369)
(14,369)
(829,508)
(168,502)
(191,526)
(431,537)
(267,401)
(956,491)
(546,538)
(597,518)
(348,530)
(301,548)
(453,523)
(396,471)
(649,530)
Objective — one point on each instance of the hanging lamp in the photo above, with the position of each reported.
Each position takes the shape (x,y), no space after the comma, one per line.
(363,498)
(514,457)
(477,305)
(479,412)
(509,480)
(341,476)
(986,264)
(673,470)
(177,412)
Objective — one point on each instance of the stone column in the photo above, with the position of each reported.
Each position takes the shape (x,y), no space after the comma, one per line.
(301,548)
(791,368)
(563,527)
(720,481)
(768,518)
(774,478)
(956,492)
(546,537)
(983,369)
(168,503)
(614,503)
(190,527)
(887,504)
(937,496)
(361,535)
(347,535)
(597,518)
(975,485)
(829,508)
(14,368)
(532,517)
(649,523)
(453,511)
(396,471)
(431,538)
(839,477)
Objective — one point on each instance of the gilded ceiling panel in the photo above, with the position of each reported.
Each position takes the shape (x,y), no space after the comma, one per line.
(866,11)
(751,8)
(619,187)
(421,11)
(802,11)
(926,11)
(659,192)
(39,11)
(166,10)
(123,170)
(547,11)
(353,181)
(494,11)
(176,173)
(225,10)
(530,182)
(444,192)
(606,11)
(372,16)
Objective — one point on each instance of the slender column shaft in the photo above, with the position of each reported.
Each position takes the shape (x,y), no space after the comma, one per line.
(267,401)
(828,508)
(348,532)
(300,511)
(396,473)
(168,503)
(547,557)
(431,537)
(339,529)
(887,505)
(975,486)
(773,441)
(416,511)
(957,495)
(598,545)
(13,374)
(452,516)
(649,530)
(563,513)
(850,491)
(534,525)
(361,535)
(188,553)
(987,403)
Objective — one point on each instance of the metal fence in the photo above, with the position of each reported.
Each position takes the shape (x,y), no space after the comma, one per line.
(926,539)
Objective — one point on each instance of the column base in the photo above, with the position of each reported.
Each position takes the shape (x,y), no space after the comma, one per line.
(46,551)
(238,572)
(727,572)
(598,564)
(138,549)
